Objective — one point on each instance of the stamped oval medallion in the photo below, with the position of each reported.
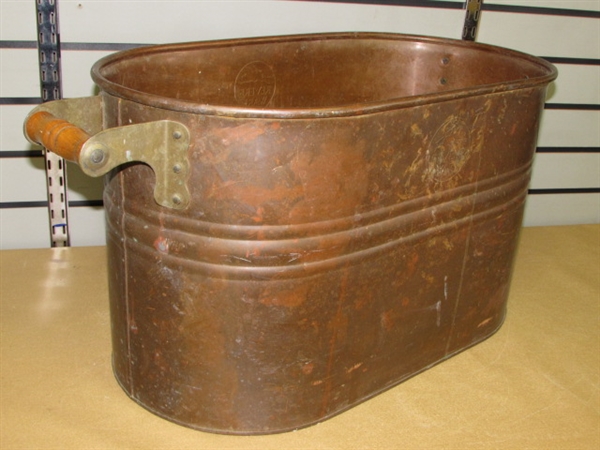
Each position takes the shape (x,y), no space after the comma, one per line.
(254,85)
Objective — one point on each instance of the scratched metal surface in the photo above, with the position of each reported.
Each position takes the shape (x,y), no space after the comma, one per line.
(356,203)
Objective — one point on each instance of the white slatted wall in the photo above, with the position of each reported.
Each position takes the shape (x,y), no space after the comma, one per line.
(566,183)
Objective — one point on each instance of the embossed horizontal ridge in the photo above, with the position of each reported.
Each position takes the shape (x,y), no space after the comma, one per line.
(295,231)
(324,245)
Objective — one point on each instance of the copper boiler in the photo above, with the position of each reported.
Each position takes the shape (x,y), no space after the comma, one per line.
(296,224)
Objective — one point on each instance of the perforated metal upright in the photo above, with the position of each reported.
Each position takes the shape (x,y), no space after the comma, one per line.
(473,11)
(50,81)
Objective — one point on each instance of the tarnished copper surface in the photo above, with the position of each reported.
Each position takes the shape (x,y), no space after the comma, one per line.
(355,206)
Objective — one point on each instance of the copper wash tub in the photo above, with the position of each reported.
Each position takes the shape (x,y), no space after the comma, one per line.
(296,224)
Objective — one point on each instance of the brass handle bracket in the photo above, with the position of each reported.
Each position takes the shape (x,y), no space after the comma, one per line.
(162,145)
(78,136)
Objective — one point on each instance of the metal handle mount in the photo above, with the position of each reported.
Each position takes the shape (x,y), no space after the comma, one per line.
(72,129)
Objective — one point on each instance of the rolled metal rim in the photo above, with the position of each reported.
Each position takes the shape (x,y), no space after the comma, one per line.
(549,73)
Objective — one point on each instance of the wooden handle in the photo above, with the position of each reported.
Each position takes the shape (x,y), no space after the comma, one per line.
(56,135)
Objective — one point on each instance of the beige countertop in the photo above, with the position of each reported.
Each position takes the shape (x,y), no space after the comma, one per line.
(534,384)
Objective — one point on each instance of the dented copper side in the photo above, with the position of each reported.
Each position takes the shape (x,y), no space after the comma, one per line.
(355,204)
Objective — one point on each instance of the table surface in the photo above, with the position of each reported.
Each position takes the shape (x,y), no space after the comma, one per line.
(534,384)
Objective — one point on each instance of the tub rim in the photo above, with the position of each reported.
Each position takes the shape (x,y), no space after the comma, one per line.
(345,110)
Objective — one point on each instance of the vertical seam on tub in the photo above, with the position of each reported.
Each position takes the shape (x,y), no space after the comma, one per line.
(128,310)
(465,256)
(333,341)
